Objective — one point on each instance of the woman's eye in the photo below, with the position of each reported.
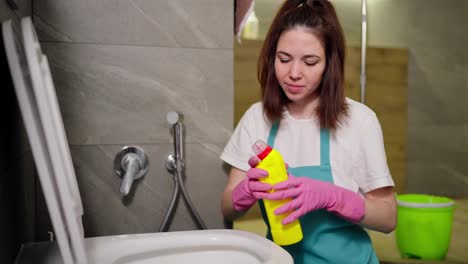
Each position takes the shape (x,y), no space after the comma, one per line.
(310,63)
(284,60)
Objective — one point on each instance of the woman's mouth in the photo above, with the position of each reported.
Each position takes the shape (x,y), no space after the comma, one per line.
(293,88)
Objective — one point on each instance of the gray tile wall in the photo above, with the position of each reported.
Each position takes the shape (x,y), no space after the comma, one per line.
(17,173)
(118,68)
(436,36)
(438,113)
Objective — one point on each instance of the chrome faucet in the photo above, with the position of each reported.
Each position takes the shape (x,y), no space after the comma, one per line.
(131,163)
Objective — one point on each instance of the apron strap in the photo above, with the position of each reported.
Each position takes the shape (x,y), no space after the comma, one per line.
(273,132)
(324,147)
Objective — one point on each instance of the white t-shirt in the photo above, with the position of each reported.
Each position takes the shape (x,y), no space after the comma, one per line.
(357,153)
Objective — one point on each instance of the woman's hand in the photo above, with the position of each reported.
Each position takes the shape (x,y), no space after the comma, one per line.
(308,195)
(248,191)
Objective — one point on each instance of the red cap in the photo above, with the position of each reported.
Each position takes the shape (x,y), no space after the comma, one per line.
(264,153)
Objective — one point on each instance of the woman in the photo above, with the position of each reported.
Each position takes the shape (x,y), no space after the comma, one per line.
(339,179)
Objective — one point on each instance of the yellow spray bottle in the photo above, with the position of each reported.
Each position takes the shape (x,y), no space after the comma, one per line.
(272,161)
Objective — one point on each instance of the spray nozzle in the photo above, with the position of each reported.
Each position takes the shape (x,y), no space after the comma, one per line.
(259,146)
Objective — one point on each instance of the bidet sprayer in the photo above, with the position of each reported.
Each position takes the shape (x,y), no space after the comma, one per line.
(175,119)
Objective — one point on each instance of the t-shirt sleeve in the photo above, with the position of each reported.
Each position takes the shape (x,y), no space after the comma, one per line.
(237,151)
(375,173)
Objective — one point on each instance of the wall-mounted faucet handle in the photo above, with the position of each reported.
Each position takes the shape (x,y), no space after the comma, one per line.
(130,164)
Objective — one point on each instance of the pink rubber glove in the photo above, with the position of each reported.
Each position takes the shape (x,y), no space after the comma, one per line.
(248,191)
(309,195)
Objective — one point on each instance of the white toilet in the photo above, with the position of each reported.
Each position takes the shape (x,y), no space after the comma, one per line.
(35,91)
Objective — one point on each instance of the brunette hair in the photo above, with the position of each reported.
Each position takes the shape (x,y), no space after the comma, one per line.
(320,17)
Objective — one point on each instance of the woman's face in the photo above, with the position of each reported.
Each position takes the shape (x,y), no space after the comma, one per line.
(299,64)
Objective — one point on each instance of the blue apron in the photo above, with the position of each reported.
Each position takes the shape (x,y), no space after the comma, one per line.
(327,237)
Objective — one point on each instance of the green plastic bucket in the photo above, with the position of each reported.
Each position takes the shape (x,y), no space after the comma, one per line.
(424,226)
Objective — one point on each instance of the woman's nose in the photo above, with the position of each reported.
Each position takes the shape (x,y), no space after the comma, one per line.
(295,71)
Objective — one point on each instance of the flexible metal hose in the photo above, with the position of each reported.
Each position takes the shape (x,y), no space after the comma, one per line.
(191,207)
(178,185)
(164,227)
